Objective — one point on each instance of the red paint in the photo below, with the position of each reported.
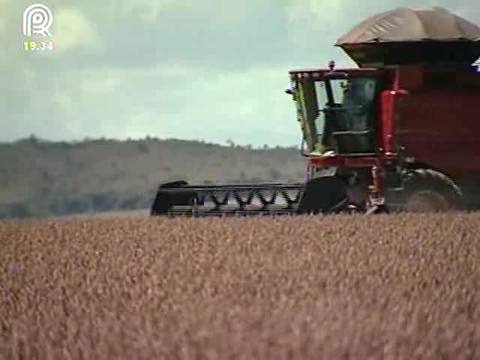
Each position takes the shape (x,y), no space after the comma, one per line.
(387,112)
(429,115)
(345,161)
(441,128)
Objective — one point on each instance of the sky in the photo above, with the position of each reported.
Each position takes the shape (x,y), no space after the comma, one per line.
(212,70)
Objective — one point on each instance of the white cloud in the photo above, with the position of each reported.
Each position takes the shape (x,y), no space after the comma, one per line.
(101,85)
(72,29)
(248,106)
(315,13)
(192,69)
(147,10)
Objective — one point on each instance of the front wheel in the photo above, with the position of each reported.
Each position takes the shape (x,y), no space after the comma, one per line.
(428,190)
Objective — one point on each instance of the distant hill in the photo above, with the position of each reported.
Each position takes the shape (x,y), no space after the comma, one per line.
(39,178)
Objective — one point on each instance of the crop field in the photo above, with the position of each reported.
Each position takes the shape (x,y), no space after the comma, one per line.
(338,287)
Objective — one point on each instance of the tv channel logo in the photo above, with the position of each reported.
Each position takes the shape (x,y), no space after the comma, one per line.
(37,19)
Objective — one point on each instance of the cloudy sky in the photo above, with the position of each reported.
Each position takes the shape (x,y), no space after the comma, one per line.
(193,69)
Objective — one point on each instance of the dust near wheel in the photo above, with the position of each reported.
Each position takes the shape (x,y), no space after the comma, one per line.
(428,190)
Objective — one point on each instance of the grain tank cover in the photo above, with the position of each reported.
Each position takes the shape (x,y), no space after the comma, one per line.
(407,36)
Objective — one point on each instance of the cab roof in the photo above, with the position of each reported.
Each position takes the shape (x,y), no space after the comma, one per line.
(322,73)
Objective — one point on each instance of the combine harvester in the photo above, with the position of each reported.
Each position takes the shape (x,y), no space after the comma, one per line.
(401,132)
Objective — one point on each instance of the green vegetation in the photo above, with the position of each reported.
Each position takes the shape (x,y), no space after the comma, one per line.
(39,178)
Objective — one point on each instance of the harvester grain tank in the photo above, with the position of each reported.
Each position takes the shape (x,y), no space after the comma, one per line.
(401,132)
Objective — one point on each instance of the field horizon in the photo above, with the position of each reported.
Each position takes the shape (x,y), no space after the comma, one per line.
(41,178)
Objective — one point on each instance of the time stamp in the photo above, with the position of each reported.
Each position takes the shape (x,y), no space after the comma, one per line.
(34,46)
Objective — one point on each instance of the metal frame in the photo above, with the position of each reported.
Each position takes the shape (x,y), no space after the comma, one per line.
(223,200)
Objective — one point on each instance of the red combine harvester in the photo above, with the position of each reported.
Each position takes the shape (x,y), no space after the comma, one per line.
(399,133)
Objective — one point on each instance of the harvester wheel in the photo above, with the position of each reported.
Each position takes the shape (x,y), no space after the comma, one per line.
(428,190)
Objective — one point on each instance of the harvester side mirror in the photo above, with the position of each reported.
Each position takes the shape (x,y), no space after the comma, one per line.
(290,91)
(293,92)
(304,148)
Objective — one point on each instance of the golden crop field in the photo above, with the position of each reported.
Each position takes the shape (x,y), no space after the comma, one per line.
(337,287)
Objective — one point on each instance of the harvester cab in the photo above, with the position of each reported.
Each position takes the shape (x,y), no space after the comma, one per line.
(336,110)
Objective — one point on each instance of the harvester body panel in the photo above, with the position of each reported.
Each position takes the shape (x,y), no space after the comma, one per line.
(439,124)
